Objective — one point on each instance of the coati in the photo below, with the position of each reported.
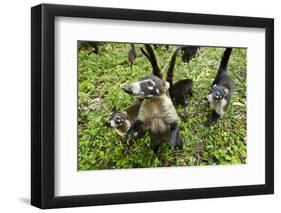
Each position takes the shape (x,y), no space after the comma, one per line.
(221,91)
(122,121)
(132,54)
(180,89)
(90,46)
(157,113)
(188,52)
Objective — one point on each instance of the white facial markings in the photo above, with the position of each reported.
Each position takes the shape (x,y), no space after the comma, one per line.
(135,87)
(148,80)
(150,88)
(153,83)
(157,91)
(112,123)
(150,96)
(167,85)
(210,98)
(226,91)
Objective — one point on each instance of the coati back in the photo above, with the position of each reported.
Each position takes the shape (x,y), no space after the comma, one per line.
(156,114)
(221,91)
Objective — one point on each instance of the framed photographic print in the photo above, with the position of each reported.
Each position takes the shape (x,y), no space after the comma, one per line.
(139,106)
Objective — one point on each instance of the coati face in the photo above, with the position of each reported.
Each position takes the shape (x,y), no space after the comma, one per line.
(117,119)
(218,93)
(149,87)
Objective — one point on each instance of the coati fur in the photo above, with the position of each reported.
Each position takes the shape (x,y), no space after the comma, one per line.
(188,52)
(132,54)
(90,46)
(122,121)
(221,91)
(180,89)
(157,113)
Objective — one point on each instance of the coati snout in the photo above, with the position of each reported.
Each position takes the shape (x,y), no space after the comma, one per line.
(150,86)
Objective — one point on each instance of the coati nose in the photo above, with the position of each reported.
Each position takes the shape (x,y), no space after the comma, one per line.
(132,89)
(127,89)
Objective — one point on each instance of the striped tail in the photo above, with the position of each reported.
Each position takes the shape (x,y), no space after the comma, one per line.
(170,72)
(224,60)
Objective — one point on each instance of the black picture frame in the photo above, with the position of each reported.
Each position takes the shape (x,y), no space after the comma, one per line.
(43,105)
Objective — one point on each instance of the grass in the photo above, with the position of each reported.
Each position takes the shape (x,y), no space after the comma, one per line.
(100,80)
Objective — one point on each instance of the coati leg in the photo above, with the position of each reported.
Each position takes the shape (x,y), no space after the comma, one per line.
(184,104)
(132,54)
(190,92)
(214,116)
(134,131)
(155,141)
(175,136)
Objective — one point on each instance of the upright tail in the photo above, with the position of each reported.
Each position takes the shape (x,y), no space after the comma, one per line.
(224,60)
(170,72)
(152,59)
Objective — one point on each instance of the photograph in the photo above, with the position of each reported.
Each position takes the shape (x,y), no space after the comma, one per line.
(160,105)
(178,106)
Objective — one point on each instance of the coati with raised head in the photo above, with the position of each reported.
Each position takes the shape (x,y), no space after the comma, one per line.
(122,121)
(179,90)
(221,91)
(157,113)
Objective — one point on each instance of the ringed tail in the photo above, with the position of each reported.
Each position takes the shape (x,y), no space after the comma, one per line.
(170,72)
(224,60)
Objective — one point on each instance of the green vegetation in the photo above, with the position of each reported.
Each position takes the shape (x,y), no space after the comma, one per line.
(100,80)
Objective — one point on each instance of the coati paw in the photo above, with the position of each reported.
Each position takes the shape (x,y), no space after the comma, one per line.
(129,137)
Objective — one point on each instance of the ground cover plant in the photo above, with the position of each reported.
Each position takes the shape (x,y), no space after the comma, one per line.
(102,74)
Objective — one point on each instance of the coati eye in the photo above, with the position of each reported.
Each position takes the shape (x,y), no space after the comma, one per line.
(150,84)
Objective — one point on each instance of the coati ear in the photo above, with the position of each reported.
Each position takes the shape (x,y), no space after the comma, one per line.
(226,91)
(214,86)
(167,85)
